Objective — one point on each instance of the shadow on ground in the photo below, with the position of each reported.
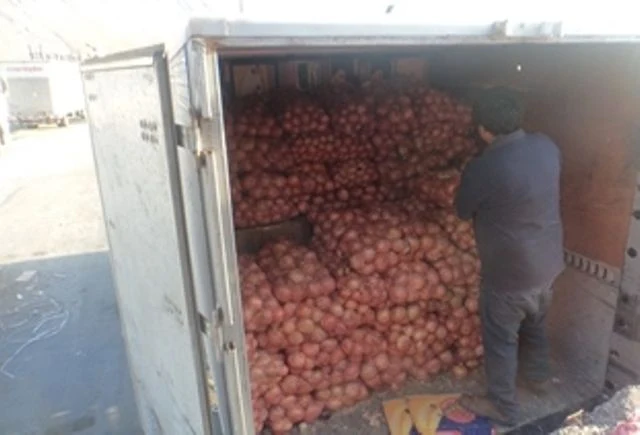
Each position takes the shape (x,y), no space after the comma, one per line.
(63,366)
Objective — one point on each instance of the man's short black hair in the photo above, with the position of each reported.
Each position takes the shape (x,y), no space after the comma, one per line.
(499,110)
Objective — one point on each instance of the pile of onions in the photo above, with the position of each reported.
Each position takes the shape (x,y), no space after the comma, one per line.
(366,290)
(379,240)
(280,158)
(314,321)
(444,140)
(432,341)
(309,179)
(249,213)
(264,185)
(343,396)
(256,120)
(349,197)
(332,341)
(460,268)
(266,371)
(292,409)
(330,147)
(295,272)
(305,179)
(460,232)
(394,172)
(354,173)
(352,116)
(249,154)
(394,113)
(386,144)
(435,107)
(383,370)
(260,308)
(388,288)
(437,188)
(304,116)
(412,282)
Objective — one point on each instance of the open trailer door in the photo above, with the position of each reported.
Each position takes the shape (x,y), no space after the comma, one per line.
(132,129)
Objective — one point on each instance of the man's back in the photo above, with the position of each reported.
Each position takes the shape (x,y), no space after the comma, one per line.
(512,192)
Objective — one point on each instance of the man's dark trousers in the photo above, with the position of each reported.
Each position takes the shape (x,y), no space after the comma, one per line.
(513,324)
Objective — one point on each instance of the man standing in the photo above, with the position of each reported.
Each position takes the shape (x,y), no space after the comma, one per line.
(512,193)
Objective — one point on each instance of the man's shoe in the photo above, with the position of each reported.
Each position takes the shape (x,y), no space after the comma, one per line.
(483,406)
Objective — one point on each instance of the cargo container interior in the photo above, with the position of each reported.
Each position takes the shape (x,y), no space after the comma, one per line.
(585,97)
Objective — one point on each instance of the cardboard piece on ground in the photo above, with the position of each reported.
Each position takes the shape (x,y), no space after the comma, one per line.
(425,415)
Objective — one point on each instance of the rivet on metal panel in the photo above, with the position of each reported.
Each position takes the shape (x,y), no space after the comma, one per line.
(145,136)
(153,139)
(230,346)
(143,124)
(153,126)
(624,298)
(631,252)
(636,214)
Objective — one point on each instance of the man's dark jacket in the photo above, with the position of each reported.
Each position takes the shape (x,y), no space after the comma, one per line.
(512,192)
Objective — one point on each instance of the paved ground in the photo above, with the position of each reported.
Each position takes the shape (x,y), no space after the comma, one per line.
(62,360)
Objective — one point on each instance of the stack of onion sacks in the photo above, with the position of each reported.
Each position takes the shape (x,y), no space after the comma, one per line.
(437,188)
(255,119)
(330,147)
(352,116)
(249,213)
(295,272)
(302,115)
(260,308)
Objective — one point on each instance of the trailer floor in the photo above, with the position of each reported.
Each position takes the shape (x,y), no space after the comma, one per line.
(569,390)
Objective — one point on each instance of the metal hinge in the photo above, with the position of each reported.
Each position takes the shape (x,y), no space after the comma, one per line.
(227,337)
(205,325)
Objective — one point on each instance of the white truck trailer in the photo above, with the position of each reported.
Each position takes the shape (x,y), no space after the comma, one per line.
(160,143)
(44,92)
